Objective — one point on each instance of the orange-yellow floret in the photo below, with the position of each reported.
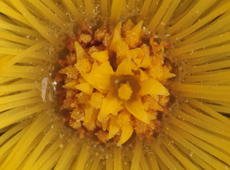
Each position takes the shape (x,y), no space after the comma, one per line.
(116,86)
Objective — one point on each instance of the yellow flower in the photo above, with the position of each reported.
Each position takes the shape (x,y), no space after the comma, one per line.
(192,132)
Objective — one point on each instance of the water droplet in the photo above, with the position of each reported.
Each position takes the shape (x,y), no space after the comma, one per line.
(50,51)
(226,167)
(54,83)
(61,135)
(162,23)
(44,88)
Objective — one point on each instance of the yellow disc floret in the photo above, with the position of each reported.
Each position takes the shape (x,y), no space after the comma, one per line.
(116,84)
(125,91)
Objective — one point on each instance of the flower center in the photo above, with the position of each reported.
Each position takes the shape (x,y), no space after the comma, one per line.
(112,82)
(125,91)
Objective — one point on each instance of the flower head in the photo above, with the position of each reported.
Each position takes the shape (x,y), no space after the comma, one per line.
(120,81)
(104,83)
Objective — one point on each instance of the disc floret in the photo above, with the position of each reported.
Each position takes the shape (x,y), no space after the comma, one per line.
(115,86)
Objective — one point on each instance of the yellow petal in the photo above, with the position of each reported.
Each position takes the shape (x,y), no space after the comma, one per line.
(5,62)
(128,25)
(84,87)
(146,49)
(156,72)
(123,118)
(96,100)
(124,122)
(136,55)
(152,104)
(70,85)
(99,77)
(125,67)
(133,36)
(126,133)
(83,65)
(110,105)
(113,128)
(116,36)
(143,75)
(101,56)
(90,118)
(137,109)
(121,49)
(153,87)
(118,45)
(167,74)
(146,62)
(104,126)
(80,52)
